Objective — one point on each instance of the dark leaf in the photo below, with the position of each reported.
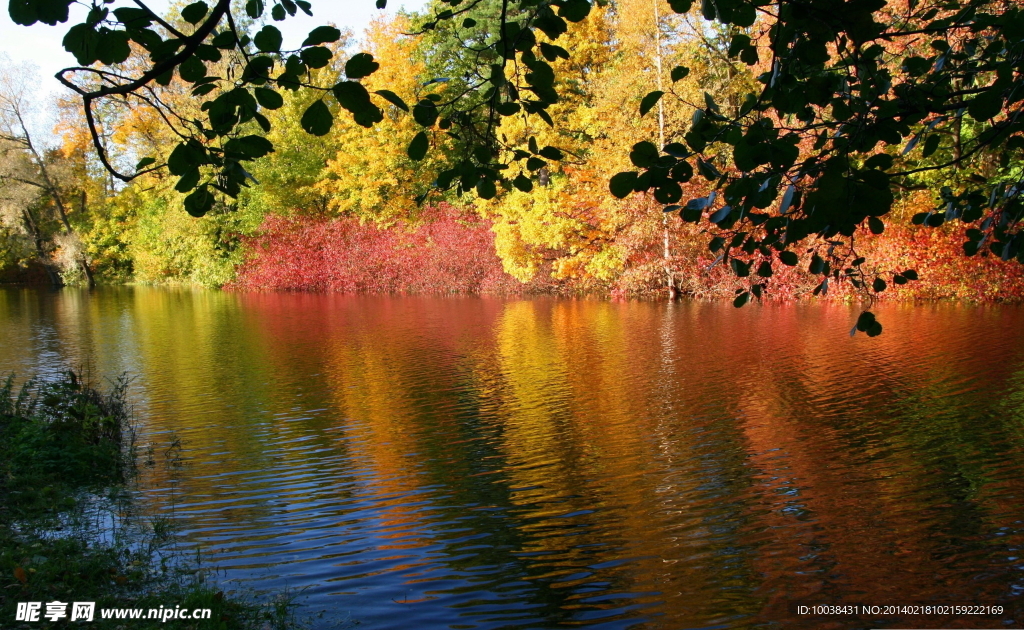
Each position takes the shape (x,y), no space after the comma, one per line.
(199,202)
(644,154)
(621,185)
(418,147)
(249,147)
(268,39)
(268,98)
(392,98)
(188,181)
(485,188)
(574,10)
(523,183)
(360,65)
(650,101)
(322,35)
(317,119)
(550,153)
(192,70)
(679,72)
(316,57)
(425,113)
(195,12)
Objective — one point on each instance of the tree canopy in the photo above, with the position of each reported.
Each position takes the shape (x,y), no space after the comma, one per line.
(854,103)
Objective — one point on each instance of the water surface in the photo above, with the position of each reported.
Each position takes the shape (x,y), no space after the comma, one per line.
(486,463)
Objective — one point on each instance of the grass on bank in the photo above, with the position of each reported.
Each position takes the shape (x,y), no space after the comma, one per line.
(67,528)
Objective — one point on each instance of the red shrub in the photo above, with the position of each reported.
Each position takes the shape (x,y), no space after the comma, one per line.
(447,251)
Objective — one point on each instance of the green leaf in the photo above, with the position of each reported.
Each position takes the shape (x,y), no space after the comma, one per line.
(203,89)
(680,6)
(741,299)
(644,154)
(322,35)
(876,225)
(249,147)
(254,8)
(879,161)
(650,101)
(188,181)
(144,162)
(764,270)
(185,156)
(277,12)
(262,121)
(361,65)
(910,274)
(621,185)
(316,57)
(931,145)
(789,258)
(113,47)
(392,98)
(195,12)
(418,147)
(485,188)
(574,10)
(268,98)
(199,202)
(552,52)
(425,113)
(224,41)
(679,72)
(550,153)
(208,53)
(82,40)
(523,183)
(317,119)
(192,70)
(878,285)
(352,96)
(986,105)
(865,321)
(269,39)
(24,12)
(707,170)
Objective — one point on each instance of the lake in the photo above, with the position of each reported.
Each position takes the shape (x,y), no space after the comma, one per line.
(474,462)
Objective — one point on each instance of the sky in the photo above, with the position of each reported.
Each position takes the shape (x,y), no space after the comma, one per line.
(41,45)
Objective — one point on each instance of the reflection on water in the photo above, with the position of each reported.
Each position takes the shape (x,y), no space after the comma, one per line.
(479,463)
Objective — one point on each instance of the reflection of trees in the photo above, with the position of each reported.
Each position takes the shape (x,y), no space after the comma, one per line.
(549,456)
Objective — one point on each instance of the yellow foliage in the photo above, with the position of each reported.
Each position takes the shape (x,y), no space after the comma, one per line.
(371,175)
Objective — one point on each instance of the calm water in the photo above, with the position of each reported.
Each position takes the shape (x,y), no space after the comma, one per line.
(480,463)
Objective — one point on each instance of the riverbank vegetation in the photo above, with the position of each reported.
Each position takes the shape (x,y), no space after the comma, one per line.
(358,206)
(69,531)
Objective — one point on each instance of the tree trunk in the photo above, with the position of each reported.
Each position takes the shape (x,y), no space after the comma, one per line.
(58,202)
(33,229)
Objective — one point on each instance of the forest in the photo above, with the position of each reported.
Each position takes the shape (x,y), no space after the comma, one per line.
(358,206)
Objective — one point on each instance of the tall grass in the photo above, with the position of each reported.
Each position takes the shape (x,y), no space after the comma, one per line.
(67,454)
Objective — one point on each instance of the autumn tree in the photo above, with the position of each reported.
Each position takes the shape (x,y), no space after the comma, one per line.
(854,102)
(33,178)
